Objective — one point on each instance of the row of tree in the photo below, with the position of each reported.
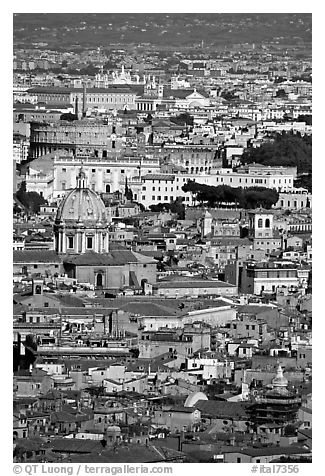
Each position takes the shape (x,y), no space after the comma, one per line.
(286,149)
(248,198)
(183,119)
(177,206)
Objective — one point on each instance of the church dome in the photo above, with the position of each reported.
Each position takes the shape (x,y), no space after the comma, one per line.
(82,205)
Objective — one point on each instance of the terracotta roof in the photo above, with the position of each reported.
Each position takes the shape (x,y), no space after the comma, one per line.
(223,409)
(130,453)
(182,409)
(148,309)
(269,451)
(192,284)
(181,93)
(306,432)
(153,254)
(67,445)
(36,256)
(31,444)
(118,257)
(158,177)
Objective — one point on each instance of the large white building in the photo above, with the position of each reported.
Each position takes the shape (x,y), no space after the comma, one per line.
(161,188)
(149,186)
(281,181)
(103,175)
(298,199)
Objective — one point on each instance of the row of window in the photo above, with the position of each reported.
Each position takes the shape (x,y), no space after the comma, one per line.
(89,242)
(64,186)
(165,198)
(248,326)
(295,203)
(35,266)
(177,180)
(93,171)
(110,99)
(260,223)
(144,188)
(276,274)
(252,180)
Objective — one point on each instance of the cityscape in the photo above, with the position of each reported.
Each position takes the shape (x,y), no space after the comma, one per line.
(162,238)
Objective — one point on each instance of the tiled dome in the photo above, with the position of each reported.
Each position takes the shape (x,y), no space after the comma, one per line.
(82,205)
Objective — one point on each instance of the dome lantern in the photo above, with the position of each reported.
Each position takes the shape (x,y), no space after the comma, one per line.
(81,178)
(279,380)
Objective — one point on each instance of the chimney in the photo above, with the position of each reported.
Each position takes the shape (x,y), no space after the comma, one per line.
(181,438)
(76,107)
(84,95)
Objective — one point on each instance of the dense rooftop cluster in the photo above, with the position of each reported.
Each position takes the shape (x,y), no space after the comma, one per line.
(162,239)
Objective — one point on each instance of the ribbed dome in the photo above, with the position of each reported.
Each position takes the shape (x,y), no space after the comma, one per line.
(83,205)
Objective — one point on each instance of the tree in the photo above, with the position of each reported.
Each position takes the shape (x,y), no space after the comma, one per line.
(31,200)
(183,119)
(30,342)
(148,119)
(228,95)
(89,70)
(135,353)
(279,79)
(178,207)
(68,116)
(286,149)
(128,192)
(281,94)
(307,118)
(252,197)
(129,195)
(305,181)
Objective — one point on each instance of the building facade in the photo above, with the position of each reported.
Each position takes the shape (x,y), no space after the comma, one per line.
(104,175)
(106,99)
(85,137)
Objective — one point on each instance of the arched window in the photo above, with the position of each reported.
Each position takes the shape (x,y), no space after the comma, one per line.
(108,188)
(267,223)
(260,223)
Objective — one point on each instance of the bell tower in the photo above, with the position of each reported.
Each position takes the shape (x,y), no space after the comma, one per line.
(206,224)
(260,224)
(38,287)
